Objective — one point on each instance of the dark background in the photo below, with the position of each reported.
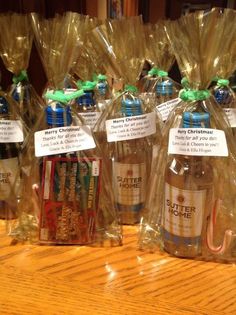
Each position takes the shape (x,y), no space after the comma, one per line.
(152,10)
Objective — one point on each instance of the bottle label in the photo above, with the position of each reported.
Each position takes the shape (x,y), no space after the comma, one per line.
(129,183)
(70,197)
(231,115)
(9,178)
(133,127)
(62,140)
(197,142)
(183,211)
(90,118)
(11,131)
(165,108)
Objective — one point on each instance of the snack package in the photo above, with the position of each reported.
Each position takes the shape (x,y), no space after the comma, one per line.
(126,128)
(191,203)
(222,91)
(15,49)
(66,187)
(12,134)
(156,84)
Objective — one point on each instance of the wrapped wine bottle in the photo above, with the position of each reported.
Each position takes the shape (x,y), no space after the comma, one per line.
(131,166)
(9,162)
(188,196)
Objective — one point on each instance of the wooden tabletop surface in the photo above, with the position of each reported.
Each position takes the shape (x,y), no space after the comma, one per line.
(120,280)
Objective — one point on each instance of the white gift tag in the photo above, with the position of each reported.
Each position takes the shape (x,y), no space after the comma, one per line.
(90,118)
(165,108)
(63,140)
(11,131)
(197,141)
(231,114)
(132,127)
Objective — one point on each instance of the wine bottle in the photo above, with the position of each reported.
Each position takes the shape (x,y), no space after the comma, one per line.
(9,168)
(131,165)
(87,107)
(188,196)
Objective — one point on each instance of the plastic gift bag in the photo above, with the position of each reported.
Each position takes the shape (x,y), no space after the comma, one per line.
(15,49)
(156,84)
(191,203)
(66,188)
(222,91)
(12,134)
(90,69)
(127,126)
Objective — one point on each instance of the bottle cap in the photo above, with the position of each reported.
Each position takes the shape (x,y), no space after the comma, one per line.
(3,106)
(131,107)
(164,88)
(196,120)
(59,115)
(87,99)
(222,95)
(102,87)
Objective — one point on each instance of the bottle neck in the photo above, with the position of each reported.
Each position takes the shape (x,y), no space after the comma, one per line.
(164,88)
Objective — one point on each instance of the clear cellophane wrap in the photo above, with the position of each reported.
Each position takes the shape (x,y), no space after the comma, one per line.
(222,91)
(90,66)
(66,193)
(15,49)
(13,131)
(85,66)
(159,54)
(198,41)
(120,43)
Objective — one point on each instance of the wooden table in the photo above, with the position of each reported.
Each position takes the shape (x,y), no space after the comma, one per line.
(121,280)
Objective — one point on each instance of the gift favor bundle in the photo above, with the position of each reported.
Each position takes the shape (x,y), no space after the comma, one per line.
(191,204)
(129,127)
(66,197)
(105,146)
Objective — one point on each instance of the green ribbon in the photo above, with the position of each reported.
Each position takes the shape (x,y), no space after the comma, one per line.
(61,97)
(194,95)
(102,77)
(86,85)
(157,72)
(185,83)
(21,77)
(222,82)
(130,88)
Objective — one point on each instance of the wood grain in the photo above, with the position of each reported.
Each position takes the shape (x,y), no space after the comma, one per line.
(119,280)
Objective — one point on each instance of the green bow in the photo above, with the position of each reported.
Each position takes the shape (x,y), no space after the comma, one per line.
(185,83)
(158,72)
(194,95)
(130,88)
(222,82)
(86,85)
(20,77)
(61,97)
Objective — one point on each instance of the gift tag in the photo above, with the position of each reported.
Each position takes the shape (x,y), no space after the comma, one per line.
(63,140)
(133,127)
(197,141)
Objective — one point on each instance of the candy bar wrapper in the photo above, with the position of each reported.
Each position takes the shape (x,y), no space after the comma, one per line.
(191,203)
(157,84)
(12,134)
(15,49)
(66,188)
(126,128)
(221,89)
